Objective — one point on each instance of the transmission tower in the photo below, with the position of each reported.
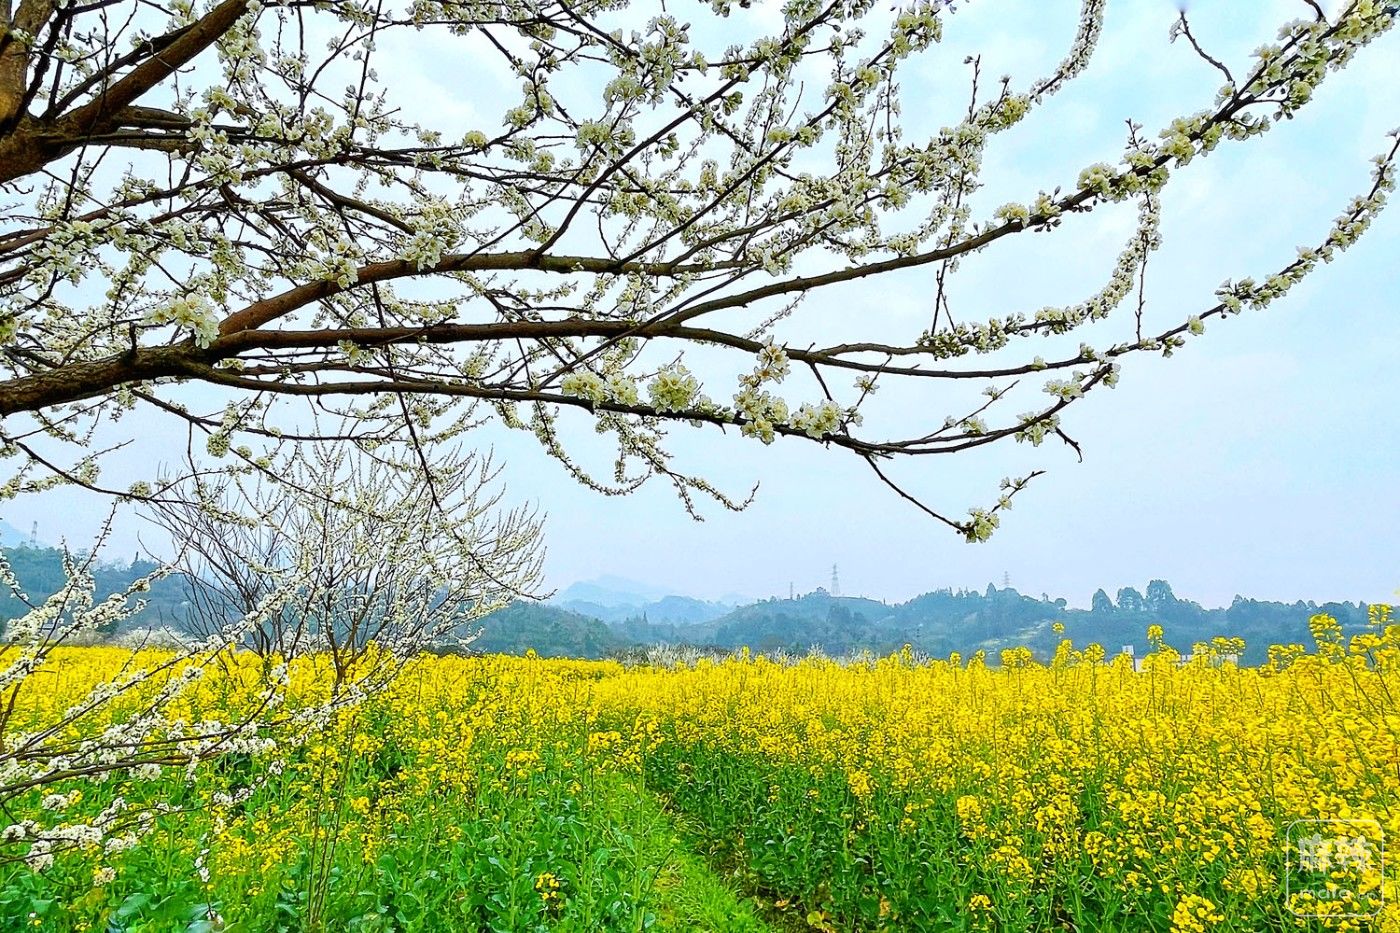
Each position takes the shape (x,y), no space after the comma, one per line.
(34,535)
(1006,579)
(835,582)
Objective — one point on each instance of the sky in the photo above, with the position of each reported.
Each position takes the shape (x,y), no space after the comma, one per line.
(1260,460)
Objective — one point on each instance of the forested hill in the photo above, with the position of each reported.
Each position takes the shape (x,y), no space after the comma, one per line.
(39,571)
(965,621)
(935,623)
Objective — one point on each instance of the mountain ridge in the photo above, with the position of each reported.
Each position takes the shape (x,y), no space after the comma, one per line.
(935,623)
(944,621)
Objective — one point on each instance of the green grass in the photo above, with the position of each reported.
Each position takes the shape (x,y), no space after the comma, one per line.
(456,863)
(690,896)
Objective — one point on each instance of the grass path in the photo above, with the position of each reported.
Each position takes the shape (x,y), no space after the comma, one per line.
(689,895)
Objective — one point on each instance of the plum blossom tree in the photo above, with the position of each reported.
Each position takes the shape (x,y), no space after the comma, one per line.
(225,214)
(234,195)
(348,563)
(380,559)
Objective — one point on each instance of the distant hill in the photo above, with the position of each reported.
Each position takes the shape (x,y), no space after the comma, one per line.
(40,574)
(834,624)
(966,621)
(10,536)
(616,599)
(669,610)
(548,630)
(936,623)
(610,591)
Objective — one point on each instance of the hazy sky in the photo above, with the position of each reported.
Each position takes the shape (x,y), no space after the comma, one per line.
(1261,459)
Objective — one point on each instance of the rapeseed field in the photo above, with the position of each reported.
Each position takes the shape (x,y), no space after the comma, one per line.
(752,794)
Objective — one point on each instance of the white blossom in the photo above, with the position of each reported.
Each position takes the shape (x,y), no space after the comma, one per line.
(673,389)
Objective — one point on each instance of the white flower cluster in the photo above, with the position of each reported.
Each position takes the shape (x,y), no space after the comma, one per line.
(65,253)
(61,801)
(772,366)
(190,312)
(424,249)
(1013,213)
(1036,426)
(760,413)
(1064,389)
(980,525)
(673,389)
(339,264)
(617,387)
(438,230)
(1098,178)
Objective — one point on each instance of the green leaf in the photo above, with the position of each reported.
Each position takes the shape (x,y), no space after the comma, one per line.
(133,905)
